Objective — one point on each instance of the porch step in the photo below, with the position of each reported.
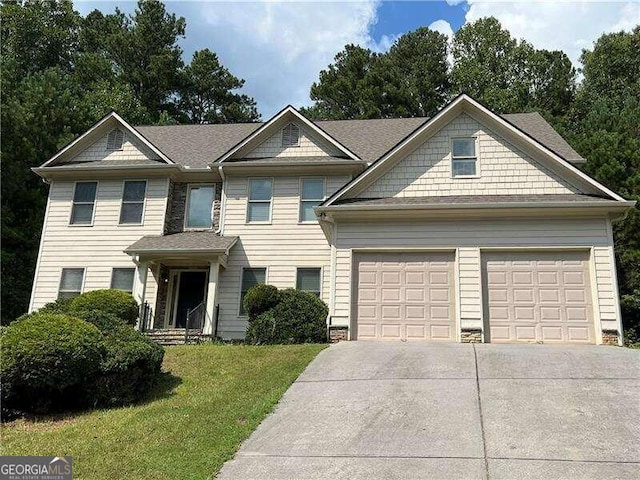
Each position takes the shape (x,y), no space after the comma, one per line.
(175,336)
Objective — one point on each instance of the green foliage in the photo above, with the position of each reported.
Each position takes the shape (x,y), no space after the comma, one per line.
(259,299)
(299,317)
(116,302)
(206,94)
(61,305)
(46,360)
(507,75)
(107,323)
(130,367)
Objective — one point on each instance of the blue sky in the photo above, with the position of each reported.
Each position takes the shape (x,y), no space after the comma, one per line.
(279,48)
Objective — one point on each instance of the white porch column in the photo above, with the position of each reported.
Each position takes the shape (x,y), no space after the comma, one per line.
(140,283)
(212,290)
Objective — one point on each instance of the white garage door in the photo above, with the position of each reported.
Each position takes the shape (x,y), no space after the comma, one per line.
(538,297)
(404,296)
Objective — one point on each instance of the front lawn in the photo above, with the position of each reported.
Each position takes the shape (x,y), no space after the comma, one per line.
(210,400)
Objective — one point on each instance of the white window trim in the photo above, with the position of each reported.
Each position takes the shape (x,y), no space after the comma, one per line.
(144,202)
(292,145)
(477,157)
(249,201)
(95,204)
(84,278)
(123,268)
(300,200)
(185,227)
(266,281)
(124,139)
(321,268)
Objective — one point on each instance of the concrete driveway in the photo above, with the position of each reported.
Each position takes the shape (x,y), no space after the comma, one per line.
(417,410)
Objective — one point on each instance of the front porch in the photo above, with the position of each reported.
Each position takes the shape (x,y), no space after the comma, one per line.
(186,267)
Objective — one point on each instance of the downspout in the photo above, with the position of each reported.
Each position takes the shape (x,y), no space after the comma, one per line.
(223,202)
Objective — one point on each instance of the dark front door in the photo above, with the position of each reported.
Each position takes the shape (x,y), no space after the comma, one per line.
(190,294)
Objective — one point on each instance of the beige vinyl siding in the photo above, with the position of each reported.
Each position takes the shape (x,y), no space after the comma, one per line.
(310,146)
(97,248)
(132,149)
(502,169)
(280,247)
(606,297)
(469,238)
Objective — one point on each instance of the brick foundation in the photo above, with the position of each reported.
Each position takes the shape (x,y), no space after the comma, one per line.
(471,336)
(338,334)
(610,337)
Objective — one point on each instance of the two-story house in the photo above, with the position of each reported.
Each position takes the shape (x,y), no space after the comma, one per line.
(468,226)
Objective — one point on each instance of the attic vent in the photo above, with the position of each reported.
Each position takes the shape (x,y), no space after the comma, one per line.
(115,139)
(290,136)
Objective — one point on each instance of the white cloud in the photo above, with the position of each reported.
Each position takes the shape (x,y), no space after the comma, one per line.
(279,48)
(559,25)
(443,27)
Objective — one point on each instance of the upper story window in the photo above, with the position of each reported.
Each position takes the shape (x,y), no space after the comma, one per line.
(464,158)
(84,199)
(133,195)
(71,282)
(115,139)
(291,136)
(311,195)
(260,195)
(122,279)
(199,206)
(308,280)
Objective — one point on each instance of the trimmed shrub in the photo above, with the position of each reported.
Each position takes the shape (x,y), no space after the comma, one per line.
(129,369)
(107,323)
(116,302)
(61,305)
(46,359)
(259,299)
(299,317)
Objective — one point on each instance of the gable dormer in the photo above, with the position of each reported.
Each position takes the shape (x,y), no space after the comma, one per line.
(288,135)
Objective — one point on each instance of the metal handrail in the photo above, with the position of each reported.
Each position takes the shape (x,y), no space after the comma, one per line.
(196,313)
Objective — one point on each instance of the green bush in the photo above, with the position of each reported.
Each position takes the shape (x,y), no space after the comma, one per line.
(299,317)
(259,299)
(45,361)
(116,302)
(130,367)
(106,322)
(61,305)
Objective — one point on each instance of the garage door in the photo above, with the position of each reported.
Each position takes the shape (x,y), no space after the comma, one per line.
(538,297)
(404,296)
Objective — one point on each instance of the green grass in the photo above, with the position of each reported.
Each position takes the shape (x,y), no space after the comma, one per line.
(210,400)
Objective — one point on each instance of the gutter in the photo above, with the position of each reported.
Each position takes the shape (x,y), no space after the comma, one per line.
(462,206)
(223,202)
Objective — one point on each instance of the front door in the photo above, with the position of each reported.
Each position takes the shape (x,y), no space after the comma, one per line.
(191,288)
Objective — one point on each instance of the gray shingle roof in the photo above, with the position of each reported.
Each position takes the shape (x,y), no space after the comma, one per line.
(199,145)
(192,242)
(534,125)
(458,199)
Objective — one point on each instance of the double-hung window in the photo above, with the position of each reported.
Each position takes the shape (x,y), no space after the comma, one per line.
(464,158)
(122,279)
(308,280)
(133,195)
(84,199)
(200,206)
(250,277)
(311,196)
(71,282)
(260,196)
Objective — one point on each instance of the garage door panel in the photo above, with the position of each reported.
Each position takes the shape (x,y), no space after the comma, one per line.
(404,296)
(555,306)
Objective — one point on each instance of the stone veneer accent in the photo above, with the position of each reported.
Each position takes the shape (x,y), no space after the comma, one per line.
(338,334)
(177,206)
(471,336)
(610,337)
(161,298)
